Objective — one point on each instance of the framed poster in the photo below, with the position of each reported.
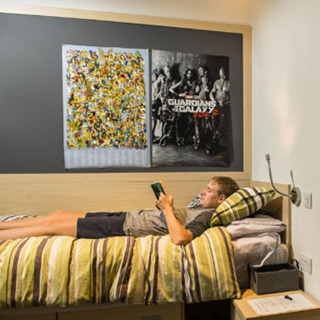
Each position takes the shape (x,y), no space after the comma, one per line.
(105,103)
(191,120)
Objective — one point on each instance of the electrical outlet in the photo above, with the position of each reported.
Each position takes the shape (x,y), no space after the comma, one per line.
(307,200)
(305,263)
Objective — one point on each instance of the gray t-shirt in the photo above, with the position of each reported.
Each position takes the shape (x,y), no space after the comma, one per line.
(139,223)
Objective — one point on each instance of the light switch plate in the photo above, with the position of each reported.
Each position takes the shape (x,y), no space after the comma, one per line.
(307,200)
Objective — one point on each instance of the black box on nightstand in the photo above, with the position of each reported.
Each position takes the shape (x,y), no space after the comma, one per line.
(274,278)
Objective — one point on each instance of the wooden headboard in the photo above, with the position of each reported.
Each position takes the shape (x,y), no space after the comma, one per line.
(81,192)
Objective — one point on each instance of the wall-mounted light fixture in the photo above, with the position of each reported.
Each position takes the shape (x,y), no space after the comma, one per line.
(295,193)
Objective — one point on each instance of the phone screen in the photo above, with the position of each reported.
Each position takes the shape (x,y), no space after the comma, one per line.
(157,189)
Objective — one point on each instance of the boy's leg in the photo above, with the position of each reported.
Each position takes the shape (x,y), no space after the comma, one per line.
(56,223)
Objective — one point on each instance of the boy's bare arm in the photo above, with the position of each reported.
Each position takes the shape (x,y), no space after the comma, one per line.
(178,233)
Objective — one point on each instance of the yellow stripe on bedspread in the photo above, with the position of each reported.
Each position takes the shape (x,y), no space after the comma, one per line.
(201,271)
(64,271)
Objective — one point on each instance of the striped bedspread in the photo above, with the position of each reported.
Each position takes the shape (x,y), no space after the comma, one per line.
(64,271)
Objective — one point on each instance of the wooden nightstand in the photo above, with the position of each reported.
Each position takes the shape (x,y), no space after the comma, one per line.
(276,306)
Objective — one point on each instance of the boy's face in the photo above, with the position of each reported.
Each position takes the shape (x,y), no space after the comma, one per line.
(210,197)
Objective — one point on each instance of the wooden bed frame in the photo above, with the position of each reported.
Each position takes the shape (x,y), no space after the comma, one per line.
(82,192)
(43,193)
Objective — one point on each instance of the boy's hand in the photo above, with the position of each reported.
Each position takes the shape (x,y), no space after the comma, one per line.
(164,201)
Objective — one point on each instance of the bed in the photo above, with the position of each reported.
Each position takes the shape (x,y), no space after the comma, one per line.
(64,277)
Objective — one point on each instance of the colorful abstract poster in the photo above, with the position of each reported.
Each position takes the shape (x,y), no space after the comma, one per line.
(191,115)
(106,114)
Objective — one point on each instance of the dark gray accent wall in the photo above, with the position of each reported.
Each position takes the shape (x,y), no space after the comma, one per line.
(31,123)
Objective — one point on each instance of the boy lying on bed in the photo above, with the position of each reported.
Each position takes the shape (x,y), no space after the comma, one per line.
(183,225)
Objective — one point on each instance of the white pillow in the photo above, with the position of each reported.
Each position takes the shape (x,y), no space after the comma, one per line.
(252,226)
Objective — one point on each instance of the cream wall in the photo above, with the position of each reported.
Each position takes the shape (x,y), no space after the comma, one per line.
(286,48)
(286,110)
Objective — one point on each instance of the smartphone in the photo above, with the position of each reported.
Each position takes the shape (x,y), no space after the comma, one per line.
(157,188)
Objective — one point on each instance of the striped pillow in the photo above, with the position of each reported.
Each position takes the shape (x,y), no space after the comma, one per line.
(241,204)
